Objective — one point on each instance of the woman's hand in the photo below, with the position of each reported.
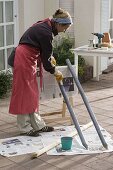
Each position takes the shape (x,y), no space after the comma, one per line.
(58,75)
(52,61)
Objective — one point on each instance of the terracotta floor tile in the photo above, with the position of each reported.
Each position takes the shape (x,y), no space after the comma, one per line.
(4,162)
(100,165)
(14,167)
(100,96)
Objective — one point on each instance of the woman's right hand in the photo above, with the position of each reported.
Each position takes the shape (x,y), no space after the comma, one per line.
(58,75)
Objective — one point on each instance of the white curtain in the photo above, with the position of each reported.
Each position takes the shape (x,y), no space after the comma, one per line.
(105,15)
(111,16)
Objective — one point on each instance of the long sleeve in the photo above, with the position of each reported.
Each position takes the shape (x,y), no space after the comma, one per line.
(46,52)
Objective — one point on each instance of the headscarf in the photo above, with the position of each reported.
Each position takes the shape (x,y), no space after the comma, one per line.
(67,20)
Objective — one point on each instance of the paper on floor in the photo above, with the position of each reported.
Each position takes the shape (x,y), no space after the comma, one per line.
(20,145)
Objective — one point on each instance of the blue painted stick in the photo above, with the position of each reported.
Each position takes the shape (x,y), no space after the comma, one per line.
(92,115)
(75,121)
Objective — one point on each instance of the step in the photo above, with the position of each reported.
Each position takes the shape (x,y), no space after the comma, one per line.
(108,70)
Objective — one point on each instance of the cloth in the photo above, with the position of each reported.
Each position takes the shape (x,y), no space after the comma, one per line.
(25,93)
(30,121)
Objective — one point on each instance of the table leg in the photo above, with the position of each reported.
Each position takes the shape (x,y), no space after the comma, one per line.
(76,62)
(98,68)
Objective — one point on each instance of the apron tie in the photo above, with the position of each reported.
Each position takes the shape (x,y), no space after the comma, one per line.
(39,64)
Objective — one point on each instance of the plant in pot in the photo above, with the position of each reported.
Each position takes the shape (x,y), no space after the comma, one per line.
(5,83)
(62,50)
(85,71)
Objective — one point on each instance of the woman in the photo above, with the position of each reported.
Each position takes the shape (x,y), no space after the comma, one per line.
(35,47)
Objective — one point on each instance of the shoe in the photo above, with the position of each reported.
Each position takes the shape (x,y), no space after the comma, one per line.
(32,132)
(46,129)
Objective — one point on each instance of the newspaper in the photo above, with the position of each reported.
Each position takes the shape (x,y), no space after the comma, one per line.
(92,139)
(20,145)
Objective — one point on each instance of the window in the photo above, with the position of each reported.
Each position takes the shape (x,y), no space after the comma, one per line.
(111,19)
(7,31)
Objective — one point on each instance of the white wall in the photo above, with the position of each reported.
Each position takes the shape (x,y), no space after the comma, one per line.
(33,11)
(84,21)
(50,7)
(84,24)
(29,13)
(20,18)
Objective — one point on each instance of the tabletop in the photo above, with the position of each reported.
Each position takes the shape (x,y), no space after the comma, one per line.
(87,49)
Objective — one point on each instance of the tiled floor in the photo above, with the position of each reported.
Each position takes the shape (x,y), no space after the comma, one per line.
(100,96)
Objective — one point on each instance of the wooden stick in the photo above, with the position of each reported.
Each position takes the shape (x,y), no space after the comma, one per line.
(52,145)
(63,109)
(56,119)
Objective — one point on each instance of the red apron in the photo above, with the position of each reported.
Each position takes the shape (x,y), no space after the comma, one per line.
(25,93)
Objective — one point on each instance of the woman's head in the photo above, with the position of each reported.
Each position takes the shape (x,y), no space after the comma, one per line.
(62,20)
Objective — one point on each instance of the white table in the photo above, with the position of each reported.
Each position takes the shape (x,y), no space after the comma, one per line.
(90,51)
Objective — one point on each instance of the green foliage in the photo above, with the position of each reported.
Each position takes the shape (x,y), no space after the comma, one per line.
(80,71)
(5,82)
(81,61)
(81,66)
(61,50)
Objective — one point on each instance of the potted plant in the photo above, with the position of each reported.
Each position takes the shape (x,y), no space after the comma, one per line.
(62,46)
(62,51)
(85,71)
(5,83)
